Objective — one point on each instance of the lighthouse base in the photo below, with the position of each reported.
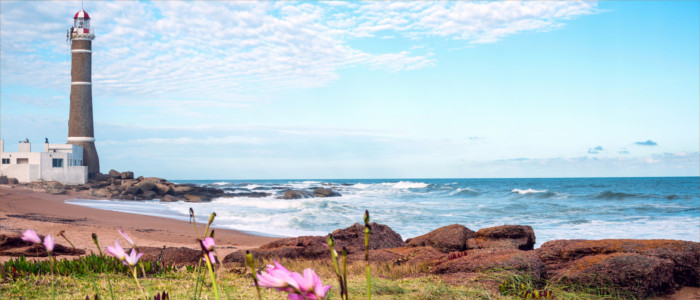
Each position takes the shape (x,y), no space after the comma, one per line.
(90,158)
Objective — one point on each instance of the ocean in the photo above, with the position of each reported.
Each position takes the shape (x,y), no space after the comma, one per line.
(557,208)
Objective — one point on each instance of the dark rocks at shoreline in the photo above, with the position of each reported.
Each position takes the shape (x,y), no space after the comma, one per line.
(318,192)
(446,239)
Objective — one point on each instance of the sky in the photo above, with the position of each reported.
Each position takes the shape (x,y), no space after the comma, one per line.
(293,90)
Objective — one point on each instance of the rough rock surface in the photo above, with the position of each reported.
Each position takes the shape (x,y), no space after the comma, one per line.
(177,256)
(324,192)
(520,237)
(446,239)
(314,247)
(479,260)
(685,255)
(639,275)
(295,194)
(13,245)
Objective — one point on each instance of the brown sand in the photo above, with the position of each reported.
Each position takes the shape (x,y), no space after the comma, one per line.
(21,209)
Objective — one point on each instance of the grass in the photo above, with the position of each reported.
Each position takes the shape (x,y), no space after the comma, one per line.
(388,282)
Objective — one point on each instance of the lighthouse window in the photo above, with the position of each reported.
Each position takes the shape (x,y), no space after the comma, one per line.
(58,163)
(5,161)
(80,22)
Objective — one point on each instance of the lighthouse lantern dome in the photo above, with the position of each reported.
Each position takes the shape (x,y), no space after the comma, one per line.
(81,22)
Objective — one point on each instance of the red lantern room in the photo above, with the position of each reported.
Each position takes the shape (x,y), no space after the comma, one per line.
(81,22)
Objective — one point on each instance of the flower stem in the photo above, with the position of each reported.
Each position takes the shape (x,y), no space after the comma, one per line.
(213,278)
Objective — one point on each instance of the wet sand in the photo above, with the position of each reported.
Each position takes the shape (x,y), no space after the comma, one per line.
(22,208)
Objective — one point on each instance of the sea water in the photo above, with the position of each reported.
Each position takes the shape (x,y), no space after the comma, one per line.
(557,208)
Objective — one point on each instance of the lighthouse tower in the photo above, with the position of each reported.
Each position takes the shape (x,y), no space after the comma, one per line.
(80,127)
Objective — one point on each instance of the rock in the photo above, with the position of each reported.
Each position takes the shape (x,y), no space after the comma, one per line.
(103,193)
(13,245)
(182,189)
(127,175)
(13,180)
(3,180)
(685,255)
(146,186)
(250,195)
(149,195)
(131,190)
(171,255)
(54,187)
(153,179)
(295,194)
(101,177)
(639,275)
(314,247)
(114,174)
(446,239)
(163,189)
(353,237)
(168,198)
(505,236)
(401,255)
(139,178)
(323,192)
(195,198)
(479,260)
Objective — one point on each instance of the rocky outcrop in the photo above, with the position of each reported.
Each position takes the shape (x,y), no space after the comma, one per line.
(446,239)
(685,255)
(479,260)
(295,194)
(631,273)
(506,236)
(13,245)
(324,192)
(177,256)
(315,247)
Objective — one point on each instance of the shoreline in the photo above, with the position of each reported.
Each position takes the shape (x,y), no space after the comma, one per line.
(22,208)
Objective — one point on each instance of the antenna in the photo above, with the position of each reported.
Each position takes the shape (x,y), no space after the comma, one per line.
(81,4)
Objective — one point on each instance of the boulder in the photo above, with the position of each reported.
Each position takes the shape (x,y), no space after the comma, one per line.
(630,273)
(323,192)
(168,198)
(102,193)
(13,180)
(479,260)
(114,174)
(54,187)
(127,175)
(163,189)
(3,180)
(13,245)
(131,190)
(685,255)
(182,189)
(195,198)
(353,237)
(401,255)
(149,195)
(446,239)
(520,237)
(146,186)
(177,256)
(315,247)
(295,194)
(101,177)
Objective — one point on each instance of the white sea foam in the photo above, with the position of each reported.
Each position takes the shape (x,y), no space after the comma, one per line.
(528,191)
(409,185)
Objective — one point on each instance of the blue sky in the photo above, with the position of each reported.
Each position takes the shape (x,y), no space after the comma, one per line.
(227,90)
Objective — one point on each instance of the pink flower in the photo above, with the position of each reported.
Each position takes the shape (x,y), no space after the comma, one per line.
(132,258)
(208,243)
(126,237)
(116,251)
(49,242)
(212,257)
(31,236)
(277,277)
(307,286)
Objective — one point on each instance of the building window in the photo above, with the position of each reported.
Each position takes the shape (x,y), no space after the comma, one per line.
(58,162)
(5,161)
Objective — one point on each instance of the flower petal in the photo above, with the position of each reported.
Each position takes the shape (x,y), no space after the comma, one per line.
(126,237)
(49,243)
(31,236)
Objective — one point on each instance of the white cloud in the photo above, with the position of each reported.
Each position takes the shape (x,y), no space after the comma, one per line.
(226,51)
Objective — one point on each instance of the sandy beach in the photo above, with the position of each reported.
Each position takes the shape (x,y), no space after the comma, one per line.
(22,208)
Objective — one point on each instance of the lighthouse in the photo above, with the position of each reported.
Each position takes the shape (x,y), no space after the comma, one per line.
(80,125)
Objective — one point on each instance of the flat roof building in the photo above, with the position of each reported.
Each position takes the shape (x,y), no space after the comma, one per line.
(58,162)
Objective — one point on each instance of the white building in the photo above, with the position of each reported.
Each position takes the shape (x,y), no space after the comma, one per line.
(58,162)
